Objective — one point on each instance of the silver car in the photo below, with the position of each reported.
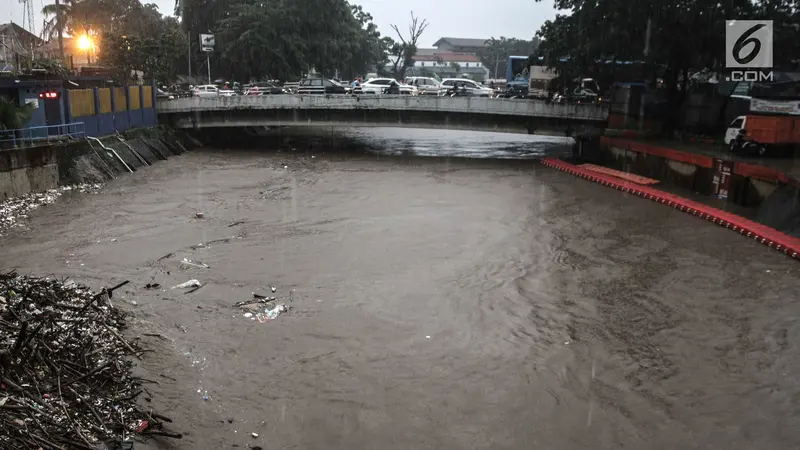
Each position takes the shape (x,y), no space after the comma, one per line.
(473,89)
(425,85)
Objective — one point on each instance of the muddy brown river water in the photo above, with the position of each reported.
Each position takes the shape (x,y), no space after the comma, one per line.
(437,304)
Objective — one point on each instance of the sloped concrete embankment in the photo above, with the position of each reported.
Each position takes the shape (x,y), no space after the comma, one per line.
(94,160)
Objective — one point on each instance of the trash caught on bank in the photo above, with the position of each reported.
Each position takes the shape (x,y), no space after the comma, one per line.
(14,211)
(67,378)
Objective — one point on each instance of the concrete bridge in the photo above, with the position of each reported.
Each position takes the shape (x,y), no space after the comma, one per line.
(473,113)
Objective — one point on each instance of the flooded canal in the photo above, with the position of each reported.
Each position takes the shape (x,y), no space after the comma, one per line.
(437,303)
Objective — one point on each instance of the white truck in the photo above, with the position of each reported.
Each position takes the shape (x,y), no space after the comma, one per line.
(539,81)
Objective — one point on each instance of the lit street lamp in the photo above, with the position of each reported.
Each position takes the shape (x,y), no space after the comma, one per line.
(85,43)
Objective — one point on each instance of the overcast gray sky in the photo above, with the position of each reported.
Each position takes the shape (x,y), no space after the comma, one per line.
(452,18)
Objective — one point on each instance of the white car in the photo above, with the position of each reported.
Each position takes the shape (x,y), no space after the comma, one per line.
(473,88)
(380,85)
(207,90)
(425,85)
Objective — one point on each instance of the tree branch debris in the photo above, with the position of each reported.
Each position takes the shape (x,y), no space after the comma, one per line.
(65,371)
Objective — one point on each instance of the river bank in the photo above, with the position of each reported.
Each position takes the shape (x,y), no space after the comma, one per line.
(48,167)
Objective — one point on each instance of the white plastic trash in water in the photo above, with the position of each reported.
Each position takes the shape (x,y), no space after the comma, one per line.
(188,284)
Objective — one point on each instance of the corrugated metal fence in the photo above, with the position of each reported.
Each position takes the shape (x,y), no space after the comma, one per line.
(107,111)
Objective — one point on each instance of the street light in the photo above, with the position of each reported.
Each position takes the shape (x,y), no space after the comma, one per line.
(85,43)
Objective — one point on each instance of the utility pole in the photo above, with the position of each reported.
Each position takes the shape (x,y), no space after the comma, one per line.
(59,25)
(189,41)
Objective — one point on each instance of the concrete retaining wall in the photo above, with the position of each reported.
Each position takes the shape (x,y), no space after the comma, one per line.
(773,203)
(37,169)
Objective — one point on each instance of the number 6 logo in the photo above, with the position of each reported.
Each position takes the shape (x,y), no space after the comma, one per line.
(748,43)
(744,40)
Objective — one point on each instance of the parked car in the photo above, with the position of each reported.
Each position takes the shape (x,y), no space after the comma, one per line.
(382,85)
(320,86)
(164,95)
(263,88)
(473,89)
(424,85)
(206,90)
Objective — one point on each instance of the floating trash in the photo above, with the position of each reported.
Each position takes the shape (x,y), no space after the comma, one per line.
(188,284)
(14,210)
(252,311)
(189,262)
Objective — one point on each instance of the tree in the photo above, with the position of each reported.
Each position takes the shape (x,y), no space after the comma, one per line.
(408,45)
(495,54)
(57,17)
(101,16)
(285,39)
(12,116)
(148,42)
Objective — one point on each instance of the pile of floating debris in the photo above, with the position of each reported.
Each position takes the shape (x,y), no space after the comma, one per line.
(252,308)
(15,209)
(65,376)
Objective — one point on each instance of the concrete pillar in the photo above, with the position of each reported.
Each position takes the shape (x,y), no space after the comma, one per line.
(96,101)
(113,109)
(66,102)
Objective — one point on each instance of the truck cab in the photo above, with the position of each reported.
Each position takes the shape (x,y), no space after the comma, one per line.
(763,134)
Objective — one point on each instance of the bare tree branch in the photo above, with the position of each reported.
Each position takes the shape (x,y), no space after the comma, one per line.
(409,44)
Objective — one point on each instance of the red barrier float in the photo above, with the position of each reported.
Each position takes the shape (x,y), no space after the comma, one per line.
(638,179)
(768,236)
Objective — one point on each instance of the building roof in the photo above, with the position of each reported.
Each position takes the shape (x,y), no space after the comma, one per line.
(461,42)
(426,51)
(448,57)
(448,69)
(21,38)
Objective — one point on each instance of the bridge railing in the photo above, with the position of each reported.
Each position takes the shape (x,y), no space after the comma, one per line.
(32,136)
(476,105)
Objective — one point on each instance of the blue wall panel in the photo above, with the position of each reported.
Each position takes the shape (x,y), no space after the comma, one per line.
(149,117)
(105,124)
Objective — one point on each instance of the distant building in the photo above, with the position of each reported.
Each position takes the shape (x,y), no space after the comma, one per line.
(15,40)
(452,58)
(460,45)
(75,59)
(448,65)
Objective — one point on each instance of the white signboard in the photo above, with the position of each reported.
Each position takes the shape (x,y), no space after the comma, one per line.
(207,42)
(33,102)
(775,106)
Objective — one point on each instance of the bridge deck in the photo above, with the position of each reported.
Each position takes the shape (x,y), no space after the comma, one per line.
(430,104)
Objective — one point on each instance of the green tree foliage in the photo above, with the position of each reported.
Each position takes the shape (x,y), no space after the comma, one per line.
(99,16)
(13,116)
(495,55)
(156,53)
(284,38)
